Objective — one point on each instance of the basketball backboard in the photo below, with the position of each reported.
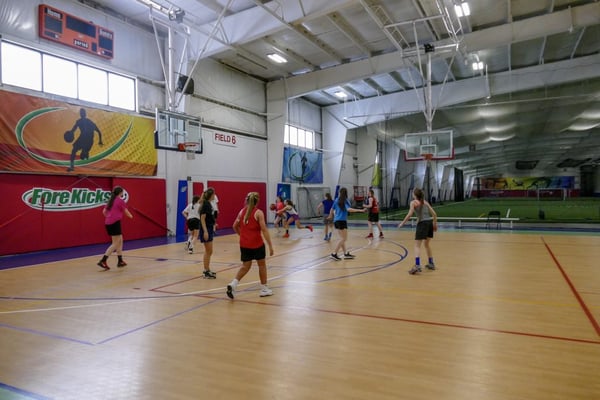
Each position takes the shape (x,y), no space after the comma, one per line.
(173,130)
(438,144)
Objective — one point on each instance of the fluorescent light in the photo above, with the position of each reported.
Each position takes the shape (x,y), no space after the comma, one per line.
(458,10)
(462,9)
(466,9)
(340,94)
(478,66)
(276,58)
(155,5)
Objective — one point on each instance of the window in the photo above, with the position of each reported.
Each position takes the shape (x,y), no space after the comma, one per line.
(21,67)
(93,85)
(33,69)
(121,92)
(298,137)
(60,76)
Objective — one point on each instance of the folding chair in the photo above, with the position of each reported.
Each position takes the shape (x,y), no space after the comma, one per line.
(493,217)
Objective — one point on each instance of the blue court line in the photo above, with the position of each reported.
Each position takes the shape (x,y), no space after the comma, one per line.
(8,392)
(40,257)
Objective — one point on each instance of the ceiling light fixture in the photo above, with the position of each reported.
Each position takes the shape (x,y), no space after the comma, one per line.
(462,9)
(478,66)
(276,58)
(340,94)
(155,5)
(174,14)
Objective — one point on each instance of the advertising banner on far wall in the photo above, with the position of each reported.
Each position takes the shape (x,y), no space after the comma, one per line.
(529,183)
(40,135)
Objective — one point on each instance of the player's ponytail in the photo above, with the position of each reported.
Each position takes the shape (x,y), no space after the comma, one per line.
(343,195)
(251,202)
(419,195)
(114,194)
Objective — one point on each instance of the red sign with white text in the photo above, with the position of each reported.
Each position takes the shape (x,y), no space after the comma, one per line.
(42,212)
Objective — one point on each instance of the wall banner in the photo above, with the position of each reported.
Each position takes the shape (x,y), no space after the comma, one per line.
(42,212)
(302,166)
(529,183)
(40,135)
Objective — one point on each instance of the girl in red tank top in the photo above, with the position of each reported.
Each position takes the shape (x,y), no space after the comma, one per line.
(251,226)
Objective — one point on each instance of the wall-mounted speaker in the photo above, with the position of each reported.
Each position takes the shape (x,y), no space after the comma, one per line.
(181,83)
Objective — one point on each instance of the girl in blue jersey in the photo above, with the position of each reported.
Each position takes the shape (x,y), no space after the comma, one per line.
(324,208)
(339,213)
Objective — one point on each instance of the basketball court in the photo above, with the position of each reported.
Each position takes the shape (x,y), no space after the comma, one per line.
(506,314)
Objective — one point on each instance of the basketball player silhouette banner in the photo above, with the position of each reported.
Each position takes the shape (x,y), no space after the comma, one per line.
(45,136)
(302,166)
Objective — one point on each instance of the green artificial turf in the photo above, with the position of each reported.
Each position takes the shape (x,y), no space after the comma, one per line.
(579,210)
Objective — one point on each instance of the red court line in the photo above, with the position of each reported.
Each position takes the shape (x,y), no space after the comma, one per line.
(585,308)
(411,321)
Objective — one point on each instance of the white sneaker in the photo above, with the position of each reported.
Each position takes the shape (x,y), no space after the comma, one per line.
(264,292)
(230,291)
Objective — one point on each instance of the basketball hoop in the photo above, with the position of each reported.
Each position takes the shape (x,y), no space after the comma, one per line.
(427,157)
(190,150)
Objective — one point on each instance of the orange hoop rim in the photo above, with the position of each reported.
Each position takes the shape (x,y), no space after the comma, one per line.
(427,156)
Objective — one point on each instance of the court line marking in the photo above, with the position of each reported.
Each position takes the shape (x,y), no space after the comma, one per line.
(584,306)
(220,298)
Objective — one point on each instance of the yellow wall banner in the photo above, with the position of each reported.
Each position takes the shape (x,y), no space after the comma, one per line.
(47,136)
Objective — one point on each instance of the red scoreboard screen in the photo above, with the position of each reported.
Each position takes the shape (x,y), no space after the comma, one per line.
(67,29)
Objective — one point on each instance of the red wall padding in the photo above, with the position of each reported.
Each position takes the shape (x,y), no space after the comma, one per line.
(232,197)
(26,229)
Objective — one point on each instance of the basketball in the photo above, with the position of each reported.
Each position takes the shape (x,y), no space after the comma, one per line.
(272,207)
(69,136)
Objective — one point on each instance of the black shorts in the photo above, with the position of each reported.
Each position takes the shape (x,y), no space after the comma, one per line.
(193,224)
(211,234)
(373,217)
(114,229)
(424,230)
(341,225)
(253,254)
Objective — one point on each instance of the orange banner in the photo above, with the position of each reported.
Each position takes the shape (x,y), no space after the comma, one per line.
(47,136)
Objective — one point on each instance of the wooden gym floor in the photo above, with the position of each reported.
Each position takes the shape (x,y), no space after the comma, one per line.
(507,315)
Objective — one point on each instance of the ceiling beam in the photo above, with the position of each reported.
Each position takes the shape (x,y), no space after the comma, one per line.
(256,22)
(504,35)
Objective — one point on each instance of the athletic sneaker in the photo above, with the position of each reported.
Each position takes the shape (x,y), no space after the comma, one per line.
(230,291)
(187,245)
(103,264)
(430,266)
(330,233)
(264,292)
(209,275)
(286,235)
(369,236)
(415,269)
(380,235)
(121,264)
(326,237)
(190,250)
(335,257)
(348,256)
(309,227)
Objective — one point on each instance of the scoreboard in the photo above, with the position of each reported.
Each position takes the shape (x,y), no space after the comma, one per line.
(72,31)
